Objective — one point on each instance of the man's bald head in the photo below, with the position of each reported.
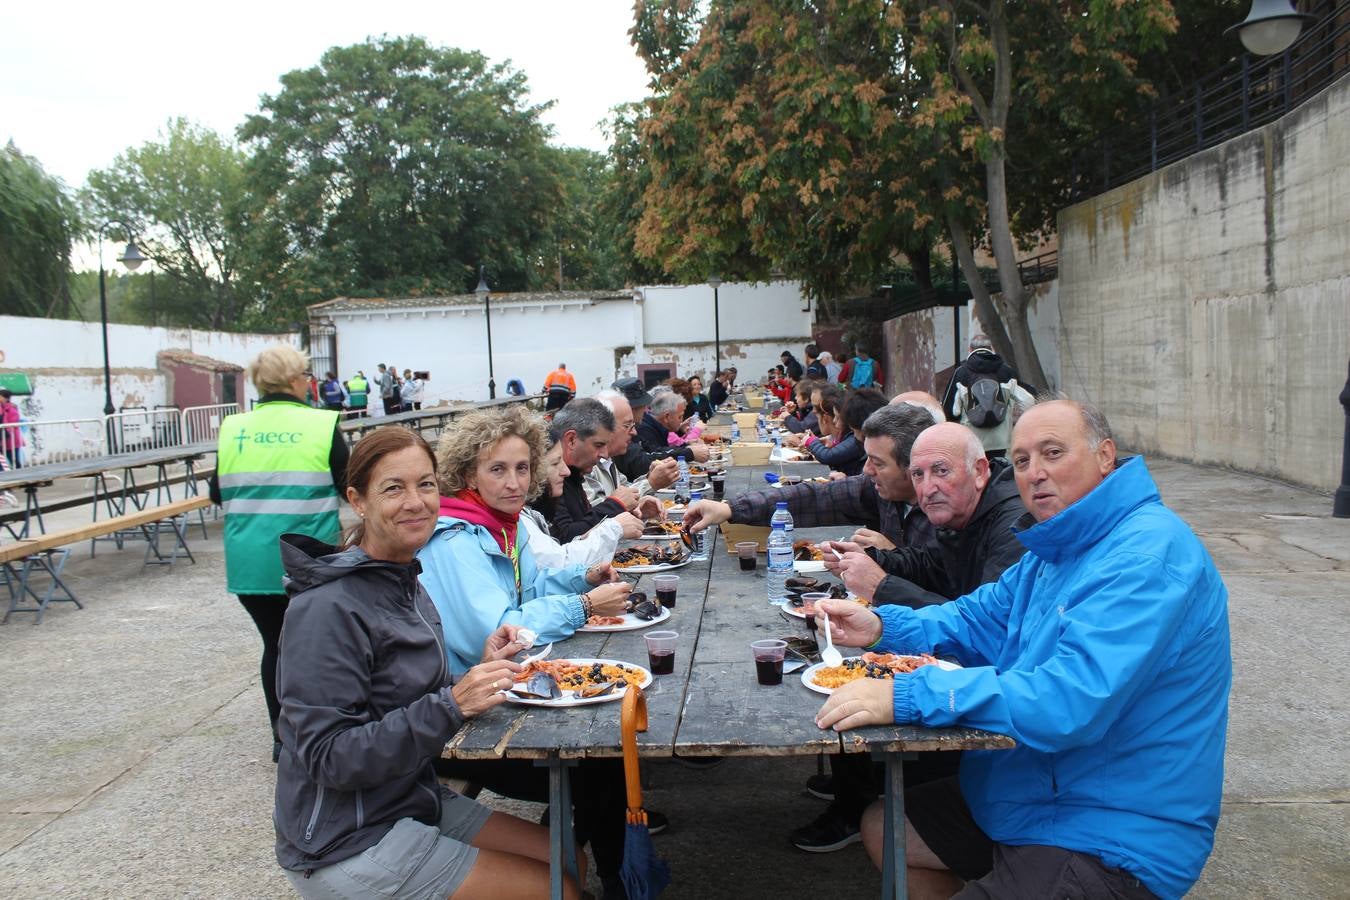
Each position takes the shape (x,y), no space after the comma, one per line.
(923,399)
(949,471)
(1061,450)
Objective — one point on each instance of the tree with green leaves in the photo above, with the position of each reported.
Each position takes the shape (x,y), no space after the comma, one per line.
(183,196)
(830,137)
(37,223)
(582,251)
(398,167)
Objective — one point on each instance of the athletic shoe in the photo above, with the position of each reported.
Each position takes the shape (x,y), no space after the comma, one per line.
(821,786)
(826,834)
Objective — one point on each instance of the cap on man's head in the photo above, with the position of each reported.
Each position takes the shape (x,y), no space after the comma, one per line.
(633,392)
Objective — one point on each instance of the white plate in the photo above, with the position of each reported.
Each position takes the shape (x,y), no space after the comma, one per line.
(789,609)
(663,536)
(788,455)
(648,570)
(808,566)
(810,673)
(567,700)
(630,623)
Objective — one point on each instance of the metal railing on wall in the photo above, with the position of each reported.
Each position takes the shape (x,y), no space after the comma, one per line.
(1246,94)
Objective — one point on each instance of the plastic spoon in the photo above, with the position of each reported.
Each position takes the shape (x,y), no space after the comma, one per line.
(829,655)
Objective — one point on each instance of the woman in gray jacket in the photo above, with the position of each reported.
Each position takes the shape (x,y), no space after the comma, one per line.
(367,703)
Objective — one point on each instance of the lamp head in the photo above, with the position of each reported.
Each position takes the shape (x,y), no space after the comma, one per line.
(714,282)
(482,290)
(132,257)
(1270,27)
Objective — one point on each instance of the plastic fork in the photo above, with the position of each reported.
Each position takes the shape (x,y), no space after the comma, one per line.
(829,655)
(548,648)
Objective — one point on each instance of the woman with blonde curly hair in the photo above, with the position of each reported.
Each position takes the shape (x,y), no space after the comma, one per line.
(478,567)
(481,575)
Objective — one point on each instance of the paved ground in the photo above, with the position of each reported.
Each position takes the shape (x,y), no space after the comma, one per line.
(135,758)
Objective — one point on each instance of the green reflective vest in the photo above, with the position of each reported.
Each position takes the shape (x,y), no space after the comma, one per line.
(274,475)
(356,392)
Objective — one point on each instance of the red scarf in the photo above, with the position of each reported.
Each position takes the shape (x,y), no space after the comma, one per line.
(470,506)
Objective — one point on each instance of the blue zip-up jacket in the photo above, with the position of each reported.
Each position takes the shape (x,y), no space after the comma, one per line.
(473,585)
(1105,653)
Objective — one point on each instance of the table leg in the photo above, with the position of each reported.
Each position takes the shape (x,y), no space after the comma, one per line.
(893,872)
(562,854)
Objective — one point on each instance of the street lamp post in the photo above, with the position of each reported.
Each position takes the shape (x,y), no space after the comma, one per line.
(483,291)
(132,259)
(715,282)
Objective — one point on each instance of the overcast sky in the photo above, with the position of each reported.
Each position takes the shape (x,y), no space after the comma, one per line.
(81,82)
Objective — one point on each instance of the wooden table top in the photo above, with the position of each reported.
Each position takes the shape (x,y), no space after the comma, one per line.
(78,468)
(712,704)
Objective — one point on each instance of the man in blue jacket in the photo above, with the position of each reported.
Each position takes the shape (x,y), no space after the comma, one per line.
(1104,653)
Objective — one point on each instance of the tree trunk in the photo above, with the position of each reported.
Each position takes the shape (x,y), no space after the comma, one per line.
(921,265)
(1014,299)
(984,304)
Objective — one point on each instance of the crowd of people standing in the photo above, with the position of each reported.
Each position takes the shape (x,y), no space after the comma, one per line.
(354,397)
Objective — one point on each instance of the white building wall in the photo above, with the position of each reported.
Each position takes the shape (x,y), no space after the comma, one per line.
(528,342)
(64,359)
(758,322)
(599,340)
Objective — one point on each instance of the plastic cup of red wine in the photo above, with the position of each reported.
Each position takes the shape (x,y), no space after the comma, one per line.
(666,587)
(809,602)
(769,660)
(661,651)
(748,551)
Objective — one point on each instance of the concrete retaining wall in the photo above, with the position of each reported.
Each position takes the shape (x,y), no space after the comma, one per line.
(1206,306)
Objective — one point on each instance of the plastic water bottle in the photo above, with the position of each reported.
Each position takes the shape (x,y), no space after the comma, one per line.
(761,432)
(735,431)
(700,548)
(780,554)
(682,483)
(781,514)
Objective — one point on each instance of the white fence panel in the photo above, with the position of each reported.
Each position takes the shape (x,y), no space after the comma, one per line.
(150,429)
(55,440)
(202,423)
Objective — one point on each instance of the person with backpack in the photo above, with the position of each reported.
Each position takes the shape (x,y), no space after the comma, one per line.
(862,371)
(983,394)
(332,393)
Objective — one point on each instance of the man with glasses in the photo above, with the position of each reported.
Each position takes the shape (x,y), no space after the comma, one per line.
(605,480)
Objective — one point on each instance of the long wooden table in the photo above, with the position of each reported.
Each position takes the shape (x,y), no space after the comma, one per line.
(711,705)
(31,479)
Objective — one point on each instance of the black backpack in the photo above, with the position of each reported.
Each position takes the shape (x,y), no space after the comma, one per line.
(987,406)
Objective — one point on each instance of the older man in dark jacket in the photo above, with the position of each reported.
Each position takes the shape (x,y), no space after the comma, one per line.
(972,502)
(973,508)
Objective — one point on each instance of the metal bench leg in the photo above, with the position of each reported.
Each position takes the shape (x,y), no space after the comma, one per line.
(192,489)
(53,562)
(178,526)
(562,851)
(893,873)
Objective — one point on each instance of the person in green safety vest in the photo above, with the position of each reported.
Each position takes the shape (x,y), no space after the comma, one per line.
(358,389)
(280,468)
